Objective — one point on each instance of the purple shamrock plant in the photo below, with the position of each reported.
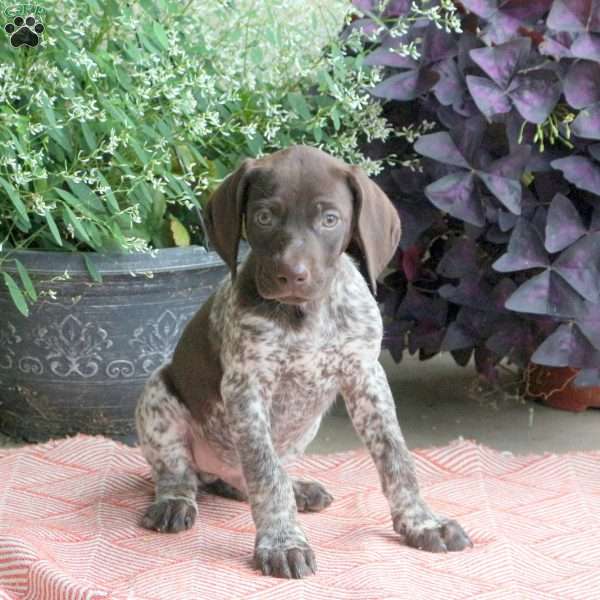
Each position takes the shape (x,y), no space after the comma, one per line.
(500,259)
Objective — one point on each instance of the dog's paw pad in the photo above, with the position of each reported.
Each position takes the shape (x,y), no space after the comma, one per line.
(448,536)
(24,31)
(170,515)
(311,496)
(286,563)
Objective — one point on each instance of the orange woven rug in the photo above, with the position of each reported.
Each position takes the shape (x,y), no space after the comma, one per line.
(69,514)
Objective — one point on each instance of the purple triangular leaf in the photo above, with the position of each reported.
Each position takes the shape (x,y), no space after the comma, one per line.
(508,191)
(410,180)
(575,15)
(548,184)
(462,357)
(527,11)
(501,62)
(394,337)
(421,307)
(538,220)
(534,97)
(512,165)
(416,218)
(580,171)
(471,291)
(450,88)
(504,23)
(578,265)
(365,5)
(407,85)
(459,260)
(557,45)
(425,338)
(495,235)
(594,151)
(500,294)
(514,340)
(566,347)
(457,338)
(587,45)
(468,137)
(506,220)
(595,219)
(440,147)
(437,45)
(482,8)
(397,8)
(563,224)
(489,98)
(500,28)
(546,294)
(587,378)
(449,118)
(455,194)
(587,123)
(582,84)
(479,321)
(589,323)
(525,250)
(386,55)
(467,41)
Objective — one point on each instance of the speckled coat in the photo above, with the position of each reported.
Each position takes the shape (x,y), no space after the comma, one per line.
(246,391)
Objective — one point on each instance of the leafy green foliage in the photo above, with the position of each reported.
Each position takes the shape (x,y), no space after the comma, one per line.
(127,115)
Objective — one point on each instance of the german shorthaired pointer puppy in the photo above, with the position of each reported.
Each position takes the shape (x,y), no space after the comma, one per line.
(263,359)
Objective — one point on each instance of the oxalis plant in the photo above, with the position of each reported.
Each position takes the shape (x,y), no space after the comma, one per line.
(500,199)
(117,126)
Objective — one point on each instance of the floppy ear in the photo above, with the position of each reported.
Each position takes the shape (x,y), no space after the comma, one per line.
(224,213)
(376,224)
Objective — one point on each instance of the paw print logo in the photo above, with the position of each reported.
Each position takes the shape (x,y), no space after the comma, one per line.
(24,31)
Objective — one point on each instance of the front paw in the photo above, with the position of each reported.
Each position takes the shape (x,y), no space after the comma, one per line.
(284,554)
(434,534)
(311,496)
(170,514)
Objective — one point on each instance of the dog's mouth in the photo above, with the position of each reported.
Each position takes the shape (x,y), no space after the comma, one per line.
(293,300)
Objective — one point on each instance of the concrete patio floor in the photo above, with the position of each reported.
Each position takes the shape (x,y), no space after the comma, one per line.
(437,402)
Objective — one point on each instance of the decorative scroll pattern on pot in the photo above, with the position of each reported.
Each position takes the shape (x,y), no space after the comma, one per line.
(72,347)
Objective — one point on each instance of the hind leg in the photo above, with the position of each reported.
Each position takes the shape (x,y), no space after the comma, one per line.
(162,425)
(310,496)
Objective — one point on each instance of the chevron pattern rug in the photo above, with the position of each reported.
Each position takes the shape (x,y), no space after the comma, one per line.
(69,513)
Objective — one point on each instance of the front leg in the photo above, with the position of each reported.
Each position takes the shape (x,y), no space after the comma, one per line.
(281,549)
(371,407)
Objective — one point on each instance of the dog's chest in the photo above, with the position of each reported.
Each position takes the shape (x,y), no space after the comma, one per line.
(306,383)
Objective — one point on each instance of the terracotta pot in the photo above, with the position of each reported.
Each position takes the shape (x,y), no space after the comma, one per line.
(554,387)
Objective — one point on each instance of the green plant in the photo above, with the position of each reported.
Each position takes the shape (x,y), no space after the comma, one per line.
(127,115)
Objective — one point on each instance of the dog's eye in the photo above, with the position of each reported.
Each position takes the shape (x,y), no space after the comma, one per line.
(330,220)
(264,217)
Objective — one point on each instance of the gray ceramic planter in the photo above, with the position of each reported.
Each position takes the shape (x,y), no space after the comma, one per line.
(79,361)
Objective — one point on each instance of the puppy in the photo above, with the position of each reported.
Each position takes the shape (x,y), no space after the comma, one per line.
(267,354)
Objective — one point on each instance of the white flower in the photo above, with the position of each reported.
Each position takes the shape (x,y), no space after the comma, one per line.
(136,244)
(36,128)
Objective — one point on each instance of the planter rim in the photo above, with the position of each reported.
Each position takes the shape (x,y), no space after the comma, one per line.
(116,263)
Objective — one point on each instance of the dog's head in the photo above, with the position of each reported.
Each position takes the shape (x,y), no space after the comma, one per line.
(301,208)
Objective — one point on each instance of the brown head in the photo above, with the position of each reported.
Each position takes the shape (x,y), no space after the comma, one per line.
(302,208)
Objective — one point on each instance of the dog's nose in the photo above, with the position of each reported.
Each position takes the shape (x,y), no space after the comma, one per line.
(292,275)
